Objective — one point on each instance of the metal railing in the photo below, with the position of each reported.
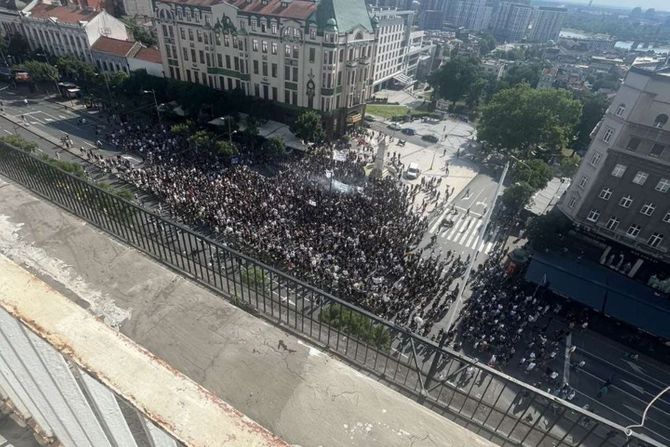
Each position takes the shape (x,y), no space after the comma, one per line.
(497,406)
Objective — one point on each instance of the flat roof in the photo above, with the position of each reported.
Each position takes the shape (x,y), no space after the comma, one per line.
(63,14)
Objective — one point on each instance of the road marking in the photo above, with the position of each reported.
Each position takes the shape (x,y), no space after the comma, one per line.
(566,362)
(7,131)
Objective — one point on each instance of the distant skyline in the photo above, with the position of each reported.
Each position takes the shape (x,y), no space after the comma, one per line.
(659,5)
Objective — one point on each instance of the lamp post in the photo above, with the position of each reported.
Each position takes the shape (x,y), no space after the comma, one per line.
(158,113)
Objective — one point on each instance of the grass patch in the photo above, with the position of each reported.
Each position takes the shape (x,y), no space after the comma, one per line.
(386,111)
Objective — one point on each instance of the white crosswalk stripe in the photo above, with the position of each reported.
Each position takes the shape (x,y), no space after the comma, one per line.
(467,232)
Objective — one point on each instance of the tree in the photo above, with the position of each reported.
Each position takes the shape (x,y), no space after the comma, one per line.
(17,46)
(535,173)
(487,43)
(517,196)
(140,33)
(569,165)
(202,140)
(76,70)
(548,231)
(308,126)
(593,109)
(520,73)
(226,149)
(40,71)
(275,146)
(181,129)
(522,121)
(456,78)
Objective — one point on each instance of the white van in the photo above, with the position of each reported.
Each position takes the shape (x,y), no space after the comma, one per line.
(412,171)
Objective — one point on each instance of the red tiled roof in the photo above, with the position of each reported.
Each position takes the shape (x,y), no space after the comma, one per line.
(149,55)
(194,2)
(113,46)
(297,9)
(62,13)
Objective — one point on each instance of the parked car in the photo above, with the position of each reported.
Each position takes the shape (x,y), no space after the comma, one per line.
(412,171)
(408,131)
(394,126)
(430,138)
(369,118)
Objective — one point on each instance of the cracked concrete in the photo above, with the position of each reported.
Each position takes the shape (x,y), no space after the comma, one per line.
(293,389)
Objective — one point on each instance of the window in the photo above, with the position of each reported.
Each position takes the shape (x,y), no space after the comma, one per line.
(655,240)
(219,61)
(633,143)
(618,170)
(265,71)
(254,44)
(640,178)
(190,34)
(607,136)
(312,54)
(626,201)
(296,52)
(612,223)
(605,194)
(666,218)
(583,182)
(274,47)
(620,109)
(182,32)
(295,74)
(661,120)
(633,231)
(199,34)
(595,159)
(227,61)
(274,71)
(287,51)
(274,28)
(193,55)
(287,73)
(657,150)
(663,185)
(264,46)
(312,33)
(202,56)
(185,52)
(593,215)
(256,68)
(648,209)
(572,202)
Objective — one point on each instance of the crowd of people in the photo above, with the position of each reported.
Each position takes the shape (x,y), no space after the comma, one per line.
(359,240)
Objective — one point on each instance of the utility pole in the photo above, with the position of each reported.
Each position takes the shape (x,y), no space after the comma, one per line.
(466,278)
(158,113)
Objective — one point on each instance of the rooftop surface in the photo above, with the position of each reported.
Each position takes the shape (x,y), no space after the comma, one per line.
(116,47)
(297,9)
(296,391)
(63,14)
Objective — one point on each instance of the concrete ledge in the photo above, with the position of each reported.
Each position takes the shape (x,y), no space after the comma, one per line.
(183,408)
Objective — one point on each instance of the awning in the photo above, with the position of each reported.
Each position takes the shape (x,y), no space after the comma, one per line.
(402,79)
(604,290)
(353,119)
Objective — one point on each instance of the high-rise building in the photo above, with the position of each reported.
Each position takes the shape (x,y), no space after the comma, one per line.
(546,23)
(512,20)
(621,192)
(392,31)
(296,52)
(466,13)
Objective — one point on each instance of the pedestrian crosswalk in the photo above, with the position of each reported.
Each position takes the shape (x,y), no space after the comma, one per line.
(469,232)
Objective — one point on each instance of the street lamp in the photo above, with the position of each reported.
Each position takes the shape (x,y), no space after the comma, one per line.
(158,113)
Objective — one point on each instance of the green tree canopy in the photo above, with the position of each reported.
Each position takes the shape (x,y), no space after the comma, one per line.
(548,231)
(521,120)
(535,173)
(593,109)
(456,79)
(517,196)
(519,73)
(226,149)
(40,71)
(308,126)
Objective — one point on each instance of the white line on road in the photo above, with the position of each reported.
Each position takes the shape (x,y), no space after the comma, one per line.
(7,131)
(566,362)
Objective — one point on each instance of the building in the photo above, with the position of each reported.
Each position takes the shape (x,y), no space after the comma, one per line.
(10,16)
(431,19)
(621,193)
(65,30)
(512,21)
(468,14)
(142,8)
(392,33)
(547,22)
(296,52)
(113,55)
